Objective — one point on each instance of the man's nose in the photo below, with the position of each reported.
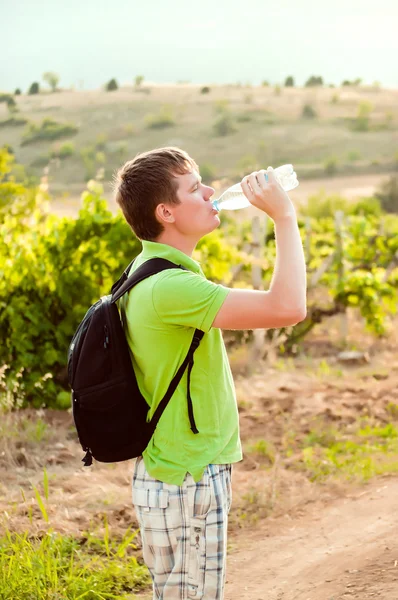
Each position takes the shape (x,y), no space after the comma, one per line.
(210,191)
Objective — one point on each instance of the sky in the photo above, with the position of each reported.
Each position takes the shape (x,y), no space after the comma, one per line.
(207,41)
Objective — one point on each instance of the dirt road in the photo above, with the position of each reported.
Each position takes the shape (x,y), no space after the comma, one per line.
(347,549)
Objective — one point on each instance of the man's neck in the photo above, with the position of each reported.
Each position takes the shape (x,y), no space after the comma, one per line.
(183,244)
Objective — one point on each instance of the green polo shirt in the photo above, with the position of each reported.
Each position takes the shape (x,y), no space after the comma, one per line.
(160,316)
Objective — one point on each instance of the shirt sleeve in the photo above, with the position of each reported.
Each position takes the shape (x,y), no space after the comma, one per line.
(187,299)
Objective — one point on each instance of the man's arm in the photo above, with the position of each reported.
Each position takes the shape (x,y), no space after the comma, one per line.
(284,303)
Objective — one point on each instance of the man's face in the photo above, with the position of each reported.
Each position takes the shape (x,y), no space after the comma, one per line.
(195,216)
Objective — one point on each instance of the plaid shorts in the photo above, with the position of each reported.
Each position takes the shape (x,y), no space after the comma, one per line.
(184,532)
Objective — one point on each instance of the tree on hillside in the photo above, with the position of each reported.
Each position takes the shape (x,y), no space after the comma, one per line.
(111,85)
(34,88)
(313,81)
(138,80)
(289,82)
(52,79)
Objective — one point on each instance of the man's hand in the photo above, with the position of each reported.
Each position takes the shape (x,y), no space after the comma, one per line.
(269,196)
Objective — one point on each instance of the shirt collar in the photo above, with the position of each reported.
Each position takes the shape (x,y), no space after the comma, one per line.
(155,249)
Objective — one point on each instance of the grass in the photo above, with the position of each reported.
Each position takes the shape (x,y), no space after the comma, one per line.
(51,565)
(57,566)
(356,453)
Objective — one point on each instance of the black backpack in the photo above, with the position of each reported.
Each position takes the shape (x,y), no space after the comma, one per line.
(109,411)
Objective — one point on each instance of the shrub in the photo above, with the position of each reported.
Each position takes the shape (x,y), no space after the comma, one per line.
(362,121)
(289,81)
(64,151)
(308,112)
(221,106)
(321,206)
(353,155)
(224,125)
(244,117)
(265,83)
(111,85)
(347,82)
(277,90)
(17,92)
(331,165)
(54,270)
(48,129)
(164,118)
(34,89)
(138,80)
(12,105)
(388,194)
(14,122)
(101,140)
(52,79)
(314,81)
(208,172)
(335,99)
(205,89)
(5,97)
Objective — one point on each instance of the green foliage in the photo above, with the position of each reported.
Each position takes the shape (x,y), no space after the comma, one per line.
(354,82)
(57,566)
(205,89)
(17,92)
(138,80)
(371,451)
(5,98)
(265,83)
(388,194)
(53,269)
(63,151)
(48,129)
(11,104)
(11,190)
(353,155)
(34,89)
(289,81)
(314,81)
(335,99)
(13,121)
(207,172)
(362,121)
(164,118)
(111,86)
(224,124)
(277,90)
(331,165)
(52,79)
(308,112)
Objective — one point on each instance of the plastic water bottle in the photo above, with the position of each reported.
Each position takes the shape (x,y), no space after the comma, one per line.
(234,198)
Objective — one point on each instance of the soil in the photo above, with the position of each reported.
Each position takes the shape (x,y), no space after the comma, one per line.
(290,538)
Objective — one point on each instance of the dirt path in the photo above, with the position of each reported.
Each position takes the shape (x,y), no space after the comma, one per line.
(347,549)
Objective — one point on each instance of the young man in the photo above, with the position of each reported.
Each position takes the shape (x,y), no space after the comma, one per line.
(182,484)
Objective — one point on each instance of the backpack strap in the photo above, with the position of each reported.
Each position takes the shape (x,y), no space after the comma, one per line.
(124,284)
(188,362)
(148,268)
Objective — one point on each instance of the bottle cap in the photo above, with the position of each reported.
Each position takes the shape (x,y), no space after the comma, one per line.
(215,205)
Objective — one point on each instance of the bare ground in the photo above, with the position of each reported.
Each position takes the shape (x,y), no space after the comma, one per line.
(290,538)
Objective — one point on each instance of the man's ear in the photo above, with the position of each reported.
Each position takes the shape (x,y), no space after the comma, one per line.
(164,214)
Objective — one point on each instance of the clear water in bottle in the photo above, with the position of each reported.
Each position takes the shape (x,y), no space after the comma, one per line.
(233,198)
